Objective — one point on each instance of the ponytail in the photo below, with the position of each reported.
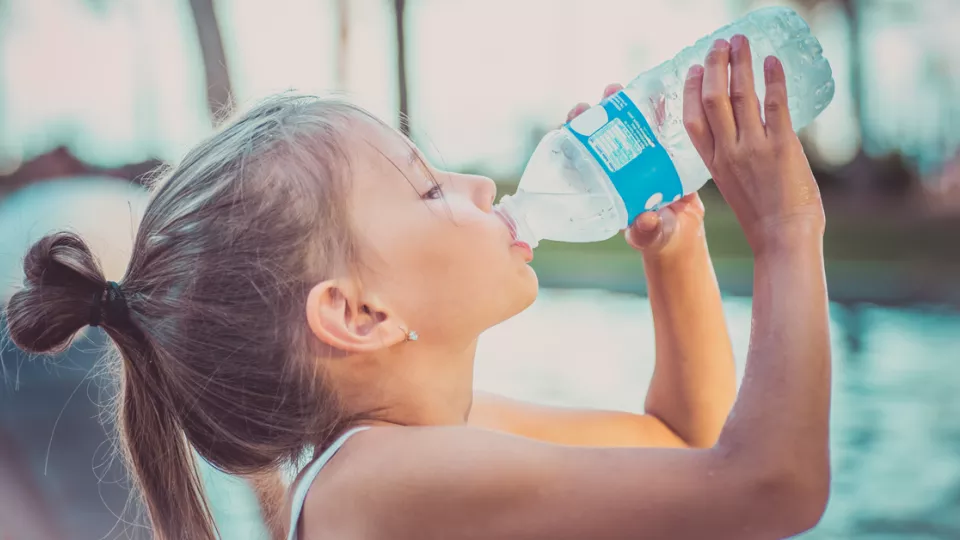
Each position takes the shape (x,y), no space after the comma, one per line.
(64,290)
(163,464)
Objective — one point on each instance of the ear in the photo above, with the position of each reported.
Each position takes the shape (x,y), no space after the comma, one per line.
(340,316)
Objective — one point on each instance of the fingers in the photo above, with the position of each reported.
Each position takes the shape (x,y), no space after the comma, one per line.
(580,108)
(577,110)
(743,93)
(775,108)
(611,89)
(694,118)
(716,100)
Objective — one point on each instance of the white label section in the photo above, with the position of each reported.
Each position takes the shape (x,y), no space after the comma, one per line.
(617,145)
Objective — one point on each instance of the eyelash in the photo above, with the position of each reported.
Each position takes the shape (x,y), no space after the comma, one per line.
(436,192)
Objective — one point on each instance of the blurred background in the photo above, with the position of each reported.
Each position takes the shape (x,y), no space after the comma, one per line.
(95,93)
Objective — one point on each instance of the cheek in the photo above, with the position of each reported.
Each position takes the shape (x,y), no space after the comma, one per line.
(454,229)
(474,240)
(467,244)
(460,255)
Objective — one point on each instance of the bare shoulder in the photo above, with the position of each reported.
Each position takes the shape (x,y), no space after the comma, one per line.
(383,477)
(363,484)
(464,482)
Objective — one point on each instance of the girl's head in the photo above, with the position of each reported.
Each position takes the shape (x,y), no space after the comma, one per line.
(281,262)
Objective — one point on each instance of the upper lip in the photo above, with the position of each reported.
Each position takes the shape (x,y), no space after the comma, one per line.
(508,222)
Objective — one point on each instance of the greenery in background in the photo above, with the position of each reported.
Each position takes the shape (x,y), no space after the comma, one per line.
(873,237)
(887,258)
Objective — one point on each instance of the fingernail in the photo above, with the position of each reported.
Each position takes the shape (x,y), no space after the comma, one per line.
(695,71)
(720,44)
(770,63)
(647,224)
(738,41)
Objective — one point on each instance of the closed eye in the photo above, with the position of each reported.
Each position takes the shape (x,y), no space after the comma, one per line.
(436,192)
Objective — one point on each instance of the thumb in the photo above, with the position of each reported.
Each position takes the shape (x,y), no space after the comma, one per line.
(651,230)
(645,231)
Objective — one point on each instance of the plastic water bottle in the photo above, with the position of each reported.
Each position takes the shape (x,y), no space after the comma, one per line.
(630,154)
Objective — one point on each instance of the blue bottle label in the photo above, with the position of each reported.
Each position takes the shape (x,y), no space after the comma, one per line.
(618,136)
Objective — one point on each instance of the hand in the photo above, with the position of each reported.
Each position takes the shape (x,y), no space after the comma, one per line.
(760,168)
(672,229)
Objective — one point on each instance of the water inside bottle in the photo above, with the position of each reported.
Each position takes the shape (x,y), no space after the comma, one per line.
(569,217)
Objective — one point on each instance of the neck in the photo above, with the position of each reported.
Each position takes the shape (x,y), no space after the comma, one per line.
(413,384)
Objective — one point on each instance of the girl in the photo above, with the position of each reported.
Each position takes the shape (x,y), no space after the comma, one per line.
(304,280)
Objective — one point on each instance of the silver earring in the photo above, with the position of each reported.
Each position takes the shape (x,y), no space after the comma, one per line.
(411,335)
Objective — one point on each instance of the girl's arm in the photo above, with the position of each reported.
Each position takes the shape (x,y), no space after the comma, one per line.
(694,381)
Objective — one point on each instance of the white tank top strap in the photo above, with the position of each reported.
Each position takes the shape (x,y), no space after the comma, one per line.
(303,485)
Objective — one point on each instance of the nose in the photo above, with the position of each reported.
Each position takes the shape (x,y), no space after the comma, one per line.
(484,191)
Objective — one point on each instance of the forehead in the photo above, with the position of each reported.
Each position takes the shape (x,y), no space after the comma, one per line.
(383,159)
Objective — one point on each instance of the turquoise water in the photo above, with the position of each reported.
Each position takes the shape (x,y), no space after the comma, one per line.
(896,433)
(896,396)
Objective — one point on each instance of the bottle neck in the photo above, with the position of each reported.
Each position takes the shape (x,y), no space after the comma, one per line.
(513,210)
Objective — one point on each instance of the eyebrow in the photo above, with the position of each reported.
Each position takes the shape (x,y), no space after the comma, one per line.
(414,156)
(416,159)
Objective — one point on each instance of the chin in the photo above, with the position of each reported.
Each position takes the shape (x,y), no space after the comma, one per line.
(528,289)
(517,293)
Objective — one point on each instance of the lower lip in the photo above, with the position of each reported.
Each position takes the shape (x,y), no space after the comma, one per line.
(526,249)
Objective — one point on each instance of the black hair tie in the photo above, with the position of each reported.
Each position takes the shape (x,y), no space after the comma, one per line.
(109,306)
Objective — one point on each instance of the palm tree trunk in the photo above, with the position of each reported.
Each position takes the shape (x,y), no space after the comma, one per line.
(217,76)
(399,9)
(857,89)
(343,44)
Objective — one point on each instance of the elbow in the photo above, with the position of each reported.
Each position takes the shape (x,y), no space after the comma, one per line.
(790,500)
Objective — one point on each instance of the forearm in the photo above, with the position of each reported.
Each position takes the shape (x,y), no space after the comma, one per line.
(782,414)
(694,381)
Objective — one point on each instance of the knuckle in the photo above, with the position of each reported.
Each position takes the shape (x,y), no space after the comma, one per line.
(776,94)
(739,154)
(712,101)
(785,145)
(773,105)
(739,98)
(752,151)
(724,160)
(694,126)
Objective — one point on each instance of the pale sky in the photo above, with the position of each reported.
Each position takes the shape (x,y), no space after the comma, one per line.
(484,75)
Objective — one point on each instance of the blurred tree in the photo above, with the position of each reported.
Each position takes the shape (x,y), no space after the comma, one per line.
(399,9)
(343,44)
(853,13)
(217,76)
(864,178)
